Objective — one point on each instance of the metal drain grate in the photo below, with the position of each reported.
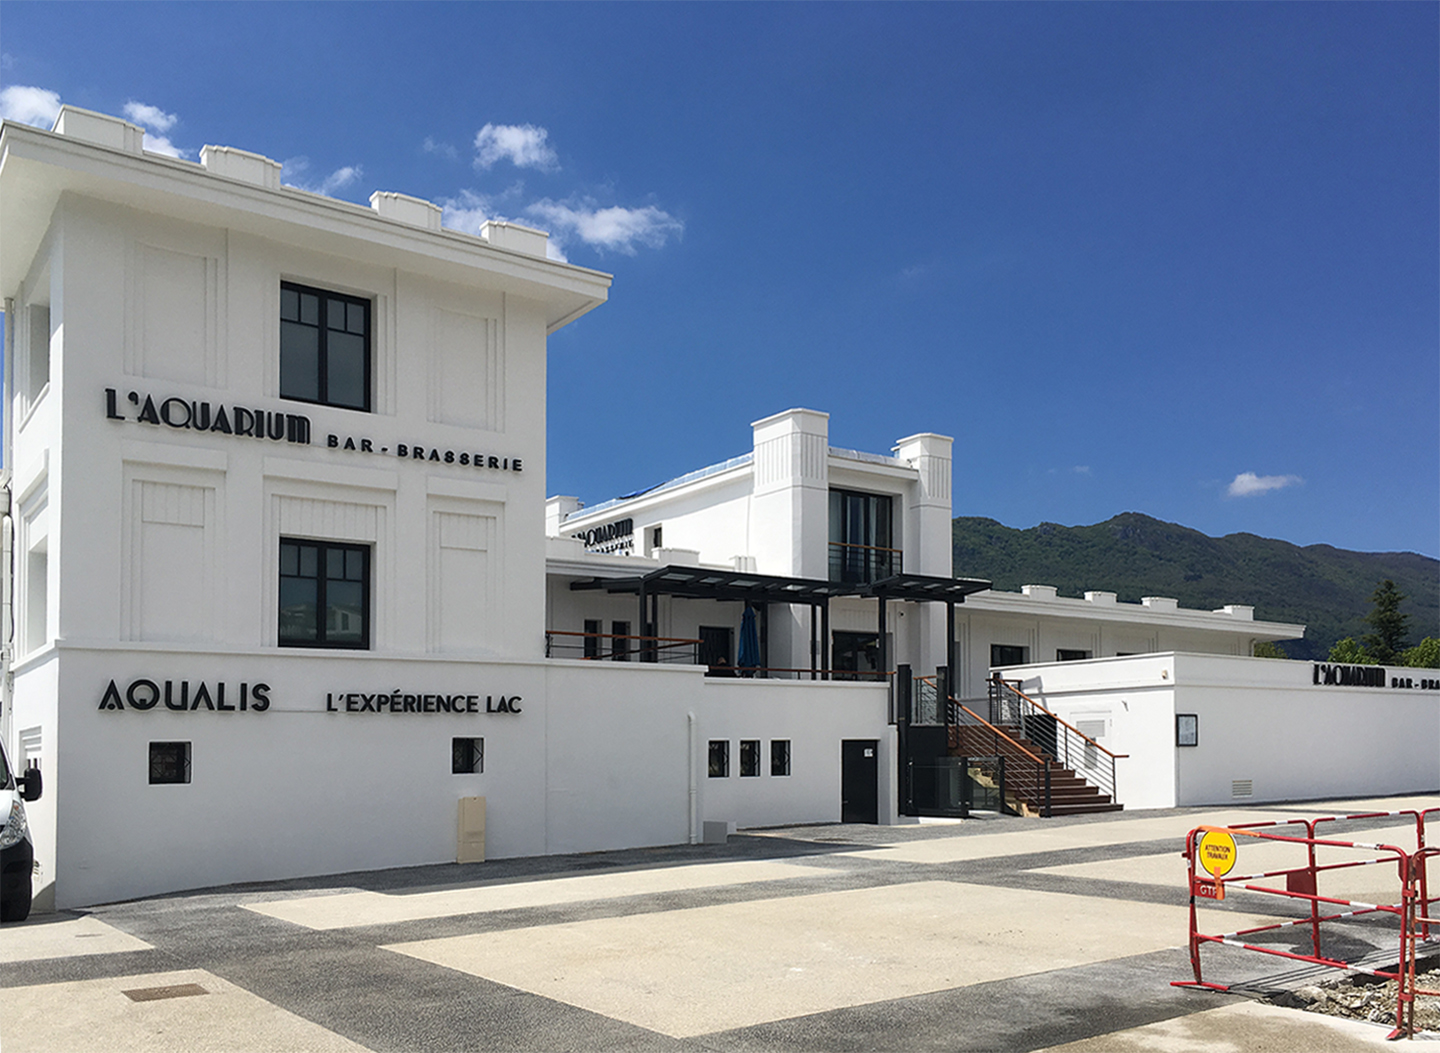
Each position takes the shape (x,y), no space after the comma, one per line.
(154,994)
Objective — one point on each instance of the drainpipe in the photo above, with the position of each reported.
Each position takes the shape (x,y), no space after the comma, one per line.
(694,783)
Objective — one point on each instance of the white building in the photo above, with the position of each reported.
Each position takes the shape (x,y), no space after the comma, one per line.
(795,506)
(275,471)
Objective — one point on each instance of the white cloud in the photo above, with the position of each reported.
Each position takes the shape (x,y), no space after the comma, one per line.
(28,105)
(1081,469)
(293,173)
(1248,484)
(615,228)
(466,213)
(445,150)
(523,145)
(152,117)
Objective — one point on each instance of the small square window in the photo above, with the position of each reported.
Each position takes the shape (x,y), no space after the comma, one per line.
(169,762)
(749,757)
(1187,729)
(467,756)
(780,757)
(719,759)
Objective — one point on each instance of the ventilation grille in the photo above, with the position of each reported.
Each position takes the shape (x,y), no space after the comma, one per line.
(1242,788)
(1094,729)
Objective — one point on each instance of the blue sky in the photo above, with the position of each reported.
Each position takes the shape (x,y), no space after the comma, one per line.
(1178,259)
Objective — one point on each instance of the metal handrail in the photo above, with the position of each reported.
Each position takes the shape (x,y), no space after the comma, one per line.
(1095,770)
(1010,685)
(1037,769)
(647,645)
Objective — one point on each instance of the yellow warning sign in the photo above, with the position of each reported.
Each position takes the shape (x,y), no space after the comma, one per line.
(1217,852)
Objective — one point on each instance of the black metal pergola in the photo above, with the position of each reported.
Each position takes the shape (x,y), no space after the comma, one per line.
(761,590)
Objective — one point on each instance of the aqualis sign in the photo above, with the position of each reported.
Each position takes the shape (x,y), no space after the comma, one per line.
(183,697)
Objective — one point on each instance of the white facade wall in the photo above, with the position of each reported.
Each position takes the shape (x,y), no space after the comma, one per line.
(1265,726)
(147,549)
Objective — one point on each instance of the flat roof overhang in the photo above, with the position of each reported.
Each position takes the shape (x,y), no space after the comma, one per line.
(37,167)
(707,584)
(918,588)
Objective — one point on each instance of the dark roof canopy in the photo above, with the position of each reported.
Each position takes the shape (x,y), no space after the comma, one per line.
(703,583)
(919,587)
(706,584)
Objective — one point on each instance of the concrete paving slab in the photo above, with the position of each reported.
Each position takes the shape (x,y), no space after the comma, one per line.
(696,971)
(1248,1027)
(97,1015)
(352,909)
(1044,838)
(60,937)
(1375,883)
(1346,805)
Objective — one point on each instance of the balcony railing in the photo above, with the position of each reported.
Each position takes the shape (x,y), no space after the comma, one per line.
(861,563)
(615,647)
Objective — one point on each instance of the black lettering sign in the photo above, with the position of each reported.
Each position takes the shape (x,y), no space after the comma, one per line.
(145,694)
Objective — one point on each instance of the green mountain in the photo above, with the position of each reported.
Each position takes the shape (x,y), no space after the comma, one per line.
(1328,589)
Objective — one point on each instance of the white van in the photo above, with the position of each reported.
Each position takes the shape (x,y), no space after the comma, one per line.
(17,854)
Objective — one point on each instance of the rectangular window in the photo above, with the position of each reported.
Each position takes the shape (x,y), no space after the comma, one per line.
(780,757)
(619,642)
(715,649)
(169,762)
(1063,655)
(1187,729)
(38,372)
(749,758)
(324,347)
(719,759)
(324,594)
(861,536)
(1005,654)
(591,644)
(467,756)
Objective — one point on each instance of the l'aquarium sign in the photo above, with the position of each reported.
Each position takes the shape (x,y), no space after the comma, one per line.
(612,538)
(246,422)
(1329,675)
(183,696)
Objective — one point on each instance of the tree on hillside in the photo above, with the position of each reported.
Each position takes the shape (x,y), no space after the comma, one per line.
(1424,655)
(1348,652)
(1268,649)
(1388,639)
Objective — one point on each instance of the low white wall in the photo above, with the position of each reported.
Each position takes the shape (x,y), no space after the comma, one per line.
(1272,723)
(599,756)
(815,717)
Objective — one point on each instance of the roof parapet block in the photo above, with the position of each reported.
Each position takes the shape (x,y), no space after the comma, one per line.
(514,237)
(232,163)
(1101,598)
(1239,611)
(403,208)
(1040,592)
(100,129)
(1161,603)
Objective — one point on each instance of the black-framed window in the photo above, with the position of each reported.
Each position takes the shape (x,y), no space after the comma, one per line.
(861,537)
(619,641)
(779,756)
(749,758)
(594,627)
(1187,729)
(1008,654)
(324,347)
(467,756)
(719,758)
(169,763)
(324,594)
(1063,654)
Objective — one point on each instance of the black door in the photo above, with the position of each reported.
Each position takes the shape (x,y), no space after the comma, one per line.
(715,650)
(859,781)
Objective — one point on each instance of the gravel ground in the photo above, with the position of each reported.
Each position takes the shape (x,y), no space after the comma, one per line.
(1363,998)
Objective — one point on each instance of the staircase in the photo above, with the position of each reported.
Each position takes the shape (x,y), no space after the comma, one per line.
(1025,782)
